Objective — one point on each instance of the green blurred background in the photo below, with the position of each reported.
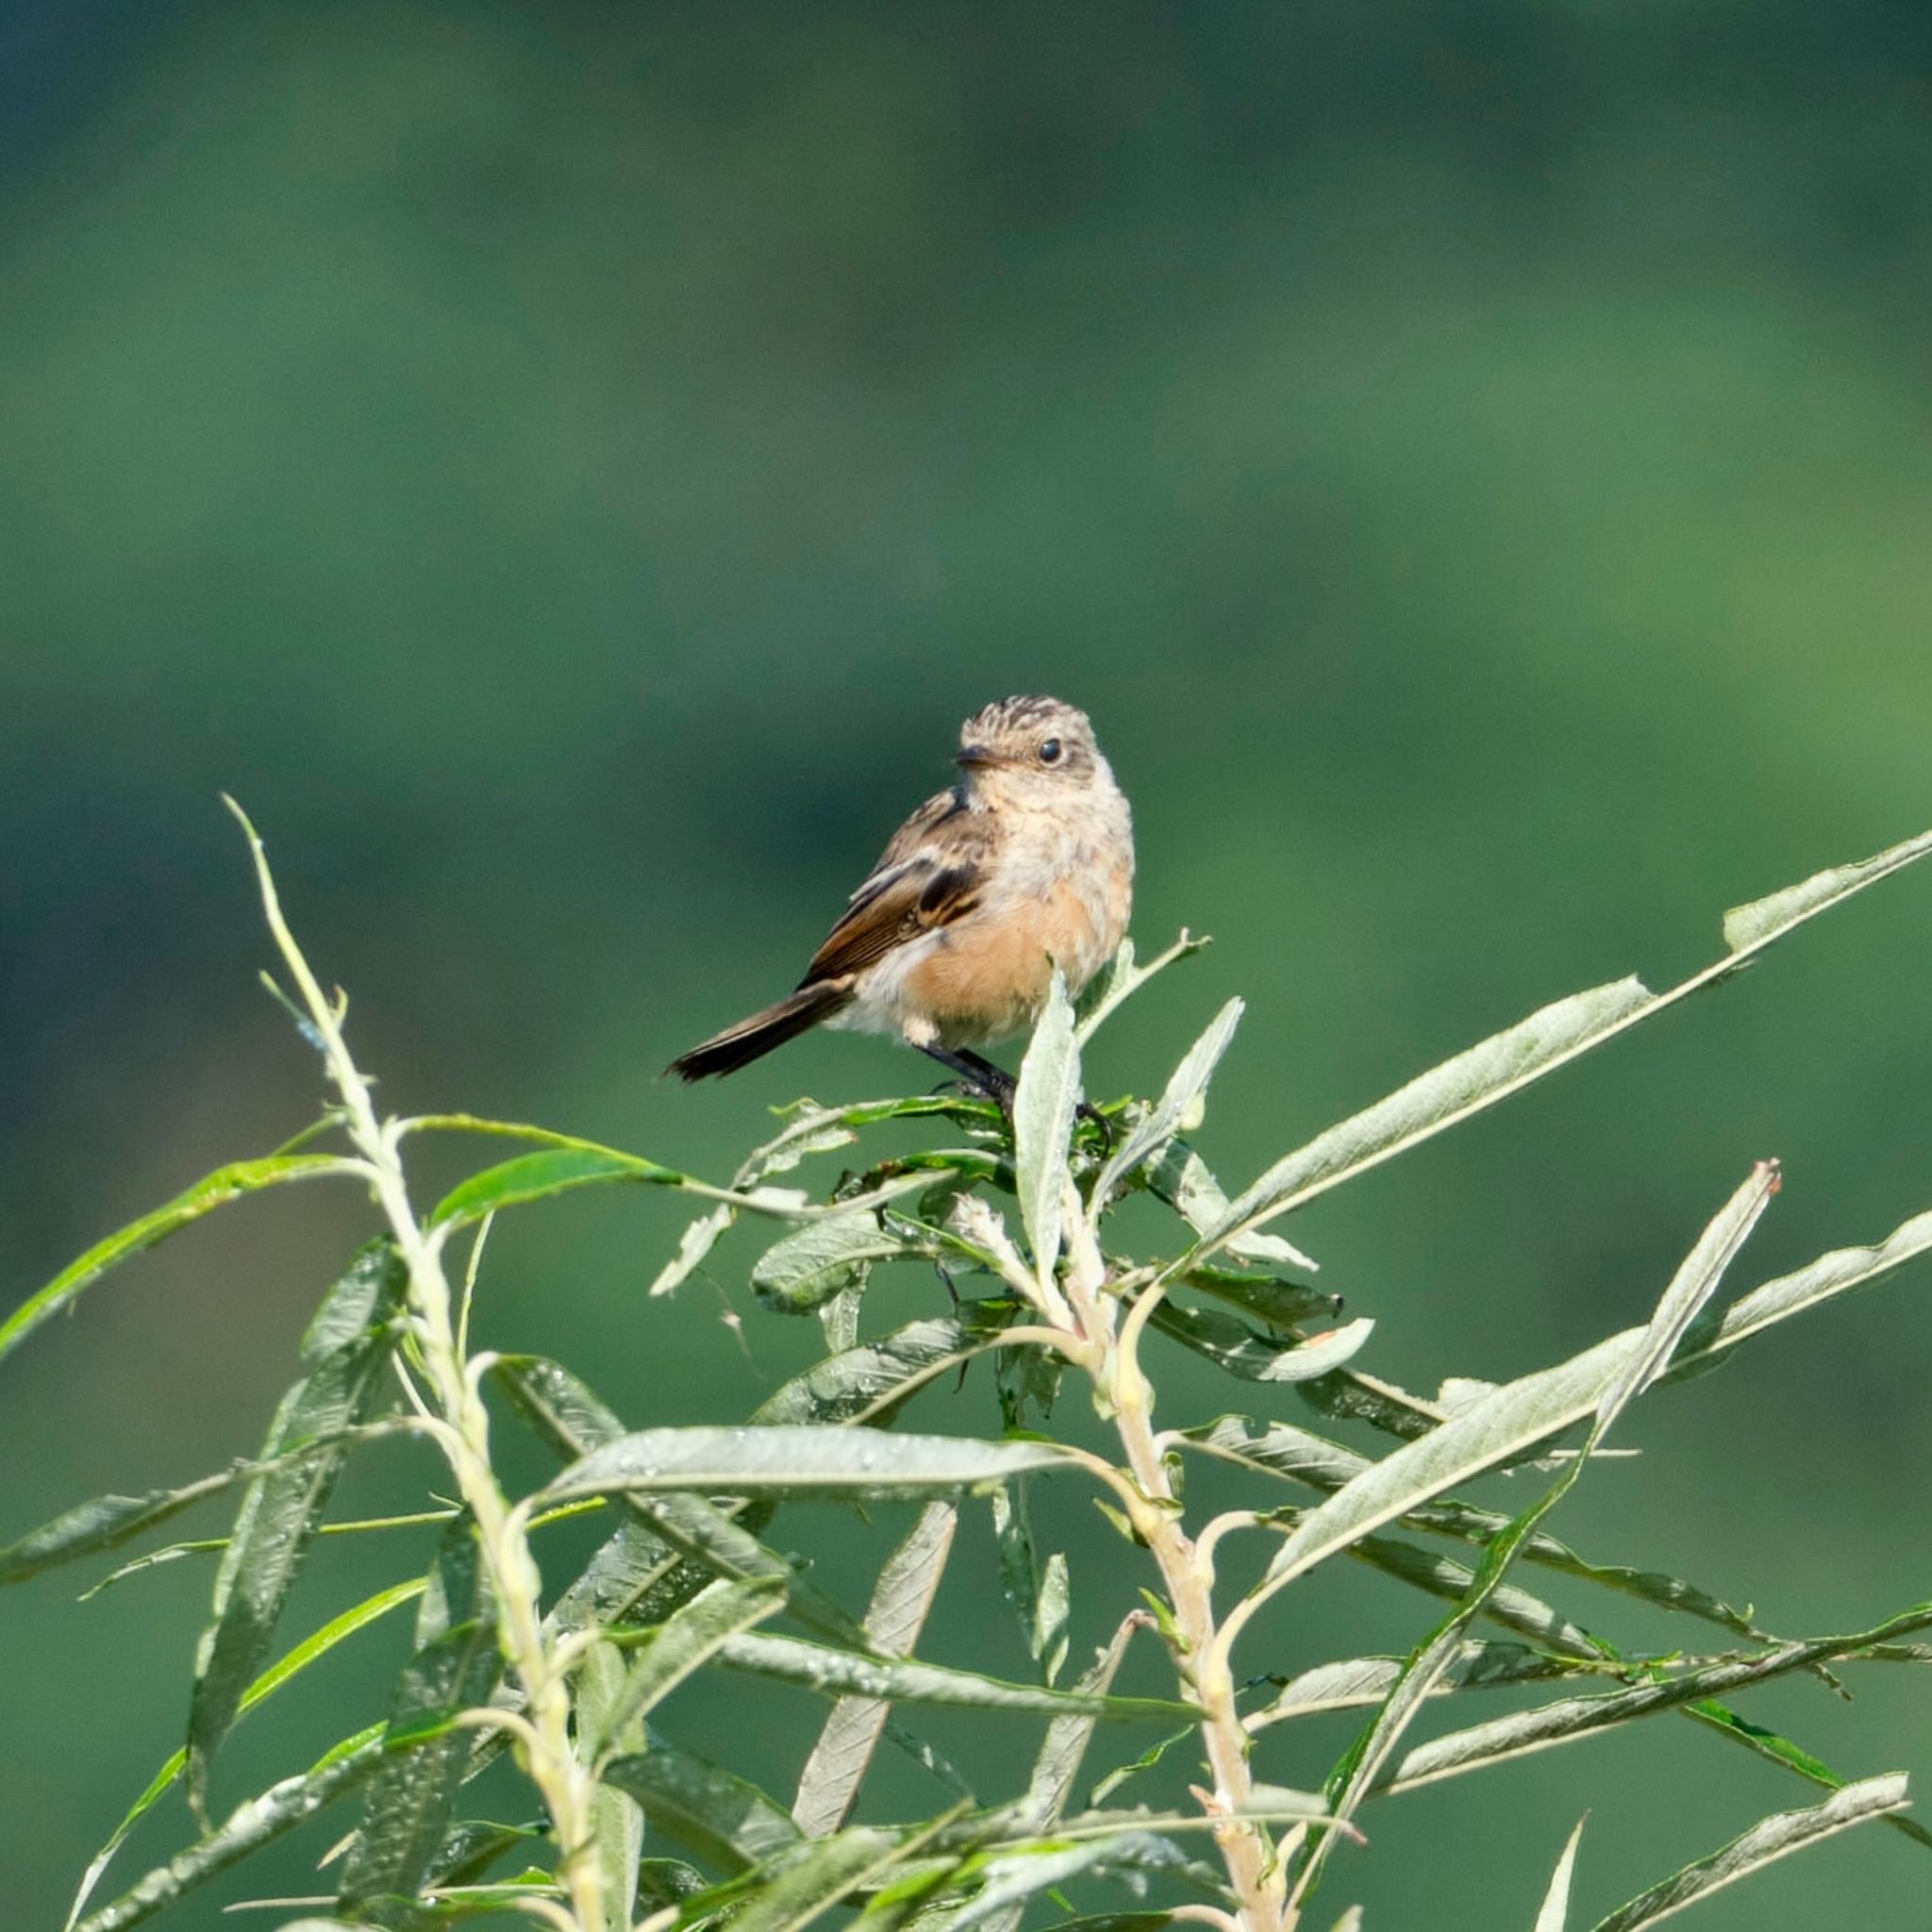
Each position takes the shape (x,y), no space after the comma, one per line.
(568,470)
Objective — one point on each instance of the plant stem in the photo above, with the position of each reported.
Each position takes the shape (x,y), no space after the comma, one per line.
(564,1784)
(1254,1869)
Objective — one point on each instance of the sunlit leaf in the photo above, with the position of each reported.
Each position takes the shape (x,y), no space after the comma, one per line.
(1517,1416)
(796,1461)
(1256,1357)
(536,1177)
(906,1680)
(873,1378)
(1574,1718)
(249,1826)
(211,1191)
(1170,1113)
(900,1599)
(1043,1105)
(1555,1915)
(1768,1840)
(821,1260)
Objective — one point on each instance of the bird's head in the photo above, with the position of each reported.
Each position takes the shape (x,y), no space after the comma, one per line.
(1031,750)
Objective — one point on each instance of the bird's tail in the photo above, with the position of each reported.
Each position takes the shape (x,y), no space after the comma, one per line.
(738,1046)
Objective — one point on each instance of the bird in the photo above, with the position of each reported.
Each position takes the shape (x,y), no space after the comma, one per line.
(1024,866)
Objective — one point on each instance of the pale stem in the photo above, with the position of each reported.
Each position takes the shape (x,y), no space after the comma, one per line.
(1253,1867)
(564,1784)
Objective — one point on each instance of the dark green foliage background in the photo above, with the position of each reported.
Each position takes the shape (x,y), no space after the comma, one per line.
(569,470)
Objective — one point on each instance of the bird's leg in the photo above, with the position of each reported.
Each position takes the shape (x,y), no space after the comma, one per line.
(982,1076)
(979,1076)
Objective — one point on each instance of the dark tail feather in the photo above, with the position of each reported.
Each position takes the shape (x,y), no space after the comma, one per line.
(738,1046)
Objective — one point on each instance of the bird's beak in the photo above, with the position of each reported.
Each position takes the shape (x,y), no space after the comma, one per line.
(974,756)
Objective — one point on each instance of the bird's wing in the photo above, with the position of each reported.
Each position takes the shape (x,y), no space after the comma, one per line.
(928,876)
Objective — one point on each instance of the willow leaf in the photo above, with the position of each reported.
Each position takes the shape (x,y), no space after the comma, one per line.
(212,1191)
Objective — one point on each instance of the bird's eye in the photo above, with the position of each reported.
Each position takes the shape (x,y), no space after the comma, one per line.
(1050,752)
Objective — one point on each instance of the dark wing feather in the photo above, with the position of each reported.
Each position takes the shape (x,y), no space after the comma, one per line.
(918,884)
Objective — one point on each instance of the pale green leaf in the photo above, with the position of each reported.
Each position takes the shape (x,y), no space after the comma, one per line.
(1768,1840)
(1172,1113)
(900,1602)
(1750,928)
(791,1459)
(1554,1914)
(821,1260)
(906,1680)
(1043,1106)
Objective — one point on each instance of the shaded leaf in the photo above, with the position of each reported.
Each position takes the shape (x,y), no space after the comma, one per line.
(212,1191)
(1253,1356)
(1182,1180)
(409,1802)
(684,1643)
(718,1815)
(831,1870)
(346,1347)
(873,1378)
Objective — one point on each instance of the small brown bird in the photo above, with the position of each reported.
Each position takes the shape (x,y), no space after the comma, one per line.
(1027,863)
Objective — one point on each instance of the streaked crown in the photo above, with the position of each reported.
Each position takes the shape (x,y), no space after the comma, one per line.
(1030,734)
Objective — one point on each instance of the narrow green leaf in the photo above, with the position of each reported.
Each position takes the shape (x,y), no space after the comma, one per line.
(1509,1060)
(1692,1285)
(1121,980)
(212,1191)
(536,1177)
(793,1461)
(905,1680)
(684,1643)
(346,1347)
(1181,1178)
(1253,1356)
(409,1802)
(1170,1114)
(1021,1873)
(1750,928)
(1043,1105)
(807,1267)
(1768,1840)
(900,1601)
(871,1380)
(1554,1914)
(720,1816)
(105,1523)
(1516,1416)
(1574,1718)
(248,1827)
(317,1644)
(832,1870)
(616,1820)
